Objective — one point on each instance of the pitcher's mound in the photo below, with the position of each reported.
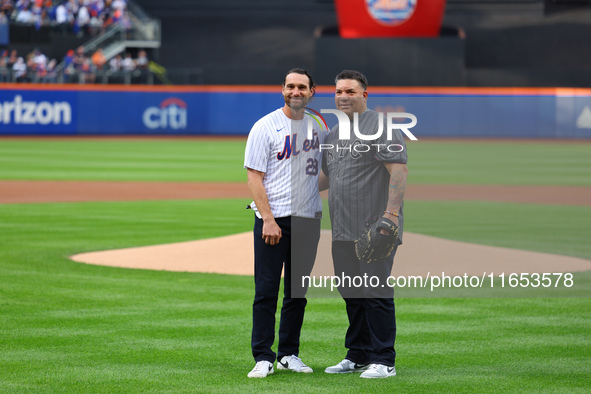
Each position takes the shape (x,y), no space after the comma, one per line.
(419,255)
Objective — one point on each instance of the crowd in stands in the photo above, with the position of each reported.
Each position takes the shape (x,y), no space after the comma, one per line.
(77,64)
(81,17)
(77,67)
(36,66)
(78,16)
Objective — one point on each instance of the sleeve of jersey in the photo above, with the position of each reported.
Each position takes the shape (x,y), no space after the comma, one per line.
(257,149)
(392,150)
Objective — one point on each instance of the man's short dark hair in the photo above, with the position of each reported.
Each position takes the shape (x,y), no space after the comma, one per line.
(303,72)
(352,74)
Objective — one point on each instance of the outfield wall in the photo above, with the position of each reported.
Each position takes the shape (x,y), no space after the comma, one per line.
(231,110)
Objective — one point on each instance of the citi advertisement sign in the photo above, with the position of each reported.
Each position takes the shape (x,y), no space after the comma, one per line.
(170,114)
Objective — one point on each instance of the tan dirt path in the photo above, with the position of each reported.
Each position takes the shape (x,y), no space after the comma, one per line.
(78,191)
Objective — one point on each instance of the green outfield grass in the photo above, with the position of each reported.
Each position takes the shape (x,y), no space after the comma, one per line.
(123,160)
(500,162)
(81,328)
(557,229)
(69,327)
(442,162)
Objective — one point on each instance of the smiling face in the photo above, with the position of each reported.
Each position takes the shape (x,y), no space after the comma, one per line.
(350,97)
(296,91)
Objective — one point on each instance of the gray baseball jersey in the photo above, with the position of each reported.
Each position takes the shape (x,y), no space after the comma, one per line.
(358,180)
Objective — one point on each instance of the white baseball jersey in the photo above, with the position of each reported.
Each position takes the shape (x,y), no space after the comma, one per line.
(278,146)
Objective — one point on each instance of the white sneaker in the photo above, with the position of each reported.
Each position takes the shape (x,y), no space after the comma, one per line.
(293,363)
(261,370)
(379,371)
(346,366)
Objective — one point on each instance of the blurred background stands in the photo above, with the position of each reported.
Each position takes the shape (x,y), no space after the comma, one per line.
(519,43)
(80,37)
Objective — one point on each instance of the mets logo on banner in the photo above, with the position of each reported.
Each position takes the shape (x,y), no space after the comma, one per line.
(170,114)
(391,12)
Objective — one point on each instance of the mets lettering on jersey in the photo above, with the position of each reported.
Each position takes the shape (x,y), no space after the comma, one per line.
(291,145)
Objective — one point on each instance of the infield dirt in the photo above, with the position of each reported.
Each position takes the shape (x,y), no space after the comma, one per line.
(78,191)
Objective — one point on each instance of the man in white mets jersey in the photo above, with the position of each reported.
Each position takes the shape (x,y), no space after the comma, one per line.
(283,165)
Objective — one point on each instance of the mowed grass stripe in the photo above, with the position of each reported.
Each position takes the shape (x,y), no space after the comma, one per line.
(430,162)
(557,229)
(499,163)
(165,160)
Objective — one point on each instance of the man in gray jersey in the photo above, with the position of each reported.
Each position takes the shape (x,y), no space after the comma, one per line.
(367,181)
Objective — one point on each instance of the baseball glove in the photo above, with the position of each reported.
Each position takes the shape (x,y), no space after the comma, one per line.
(373,245)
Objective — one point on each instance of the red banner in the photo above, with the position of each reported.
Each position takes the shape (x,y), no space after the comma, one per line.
(389,18)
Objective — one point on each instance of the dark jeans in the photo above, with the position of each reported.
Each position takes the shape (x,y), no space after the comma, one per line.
(296,251)
(372,320)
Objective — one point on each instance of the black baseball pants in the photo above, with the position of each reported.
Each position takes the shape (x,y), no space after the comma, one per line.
(296,251)
(372,319)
